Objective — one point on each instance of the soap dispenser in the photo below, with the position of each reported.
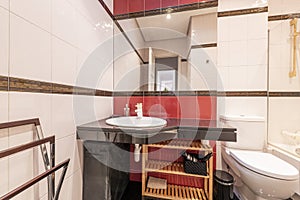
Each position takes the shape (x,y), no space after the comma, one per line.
(126,110)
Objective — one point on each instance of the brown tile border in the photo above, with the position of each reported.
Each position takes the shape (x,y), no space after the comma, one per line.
(3,83)
(243,94)
(204,45)
(242,12)
(180,8)
(25,85)
(34,86)
(283,17)
(284,94)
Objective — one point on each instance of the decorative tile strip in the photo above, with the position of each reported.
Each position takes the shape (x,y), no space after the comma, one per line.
(284,94)
(3,83)
(242,12)
(243,94)
(180,8)
(25,85)
(284,17)
(204,46)
(62,89)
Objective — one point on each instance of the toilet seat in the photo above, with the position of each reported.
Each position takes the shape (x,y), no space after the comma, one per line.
(265,164)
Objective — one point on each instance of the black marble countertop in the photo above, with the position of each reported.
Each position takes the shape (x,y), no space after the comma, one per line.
(175,128)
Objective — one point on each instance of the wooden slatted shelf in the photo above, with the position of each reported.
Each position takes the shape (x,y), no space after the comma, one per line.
(168,168)
(183,145)
(177,192)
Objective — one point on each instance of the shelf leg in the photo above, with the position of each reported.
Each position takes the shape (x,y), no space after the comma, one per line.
(211,178)
(144,174)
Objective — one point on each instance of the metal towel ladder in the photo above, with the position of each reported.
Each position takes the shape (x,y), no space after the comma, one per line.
(49,161)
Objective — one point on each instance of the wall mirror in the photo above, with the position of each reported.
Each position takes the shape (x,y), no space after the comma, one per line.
(166,49)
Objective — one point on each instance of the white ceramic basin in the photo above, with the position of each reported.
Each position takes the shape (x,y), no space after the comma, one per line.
(135,122)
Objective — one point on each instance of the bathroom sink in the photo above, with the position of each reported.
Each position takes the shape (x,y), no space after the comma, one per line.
(135,122)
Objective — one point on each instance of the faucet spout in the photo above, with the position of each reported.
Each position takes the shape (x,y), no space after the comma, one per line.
(139,110)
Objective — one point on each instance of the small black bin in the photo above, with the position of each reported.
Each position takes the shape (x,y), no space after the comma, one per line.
(223,185)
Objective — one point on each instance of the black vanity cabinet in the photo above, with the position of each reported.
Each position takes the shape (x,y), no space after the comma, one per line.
(100,180)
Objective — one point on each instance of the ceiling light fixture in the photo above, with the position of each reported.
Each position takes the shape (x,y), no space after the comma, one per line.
(169,11)
(168,16)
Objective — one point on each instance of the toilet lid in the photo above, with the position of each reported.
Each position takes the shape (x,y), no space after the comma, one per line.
(265,164)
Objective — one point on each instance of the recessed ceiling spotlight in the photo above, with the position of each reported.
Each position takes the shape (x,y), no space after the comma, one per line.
(168,16)
(169,11)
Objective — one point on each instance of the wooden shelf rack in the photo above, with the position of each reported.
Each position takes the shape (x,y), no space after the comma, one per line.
(176,168)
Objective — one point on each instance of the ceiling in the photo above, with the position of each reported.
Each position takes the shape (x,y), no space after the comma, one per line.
(158,27)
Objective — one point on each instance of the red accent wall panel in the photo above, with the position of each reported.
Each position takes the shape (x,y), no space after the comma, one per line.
(168,3)
(152,106)
(121,7)
(119,105)
(136,5)
(206,107)
(152,4)
(188,107)
(169,106)
(132,102)
(182,2)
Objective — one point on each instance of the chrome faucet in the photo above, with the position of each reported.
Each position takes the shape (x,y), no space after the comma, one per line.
(139,110)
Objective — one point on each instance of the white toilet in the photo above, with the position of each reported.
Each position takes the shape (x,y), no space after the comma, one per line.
(258,175)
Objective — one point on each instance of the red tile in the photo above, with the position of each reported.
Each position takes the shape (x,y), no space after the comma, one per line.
(136,5)
(183,2)
(152,106)
(188,107)
(132,102)
(119,105)
(168,3)
(207,107)
(152,4)
(120,7)
(169,107)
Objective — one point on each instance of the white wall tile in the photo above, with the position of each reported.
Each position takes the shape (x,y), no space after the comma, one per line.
(257,26)
(63,62)
(106,79)
(103,107)
(257,52)
(257,77)
(238,53)
(223,78)
(238,78)
(275,7)
(62,115)
(63,153)
(64,21)
(223,29)
(4,4)
(3,143)
(20,171)
(275,32)
(110,4)
(3,107)
(35,11)
(223,53)
(283,108)
(31,105)
(238,28)
(256,106)
(4,41)
(4,175)
(30,51)
(72,187)
(290,6)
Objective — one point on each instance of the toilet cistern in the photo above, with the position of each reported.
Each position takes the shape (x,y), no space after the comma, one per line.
(139,110)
